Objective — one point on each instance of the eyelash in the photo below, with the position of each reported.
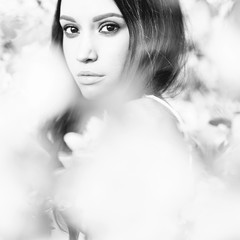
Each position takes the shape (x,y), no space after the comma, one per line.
(74,34)
(70,35)
(116,28)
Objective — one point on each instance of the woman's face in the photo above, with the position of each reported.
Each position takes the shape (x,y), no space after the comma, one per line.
(95,44)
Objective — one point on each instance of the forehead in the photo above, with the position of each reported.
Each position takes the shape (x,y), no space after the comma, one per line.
(81,8)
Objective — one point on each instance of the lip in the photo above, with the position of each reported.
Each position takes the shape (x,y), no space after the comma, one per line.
(89,78)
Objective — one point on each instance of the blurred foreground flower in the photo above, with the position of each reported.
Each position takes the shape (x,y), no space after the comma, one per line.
(41,90)
(131,184)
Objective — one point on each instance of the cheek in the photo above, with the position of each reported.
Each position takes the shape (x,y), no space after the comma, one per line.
(69,55)
(122,48)
(115,55)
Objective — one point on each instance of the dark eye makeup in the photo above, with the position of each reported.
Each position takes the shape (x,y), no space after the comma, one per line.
(109,28)
(70,30)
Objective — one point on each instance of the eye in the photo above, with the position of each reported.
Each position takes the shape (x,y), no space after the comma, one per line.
(109,28)
(70,31)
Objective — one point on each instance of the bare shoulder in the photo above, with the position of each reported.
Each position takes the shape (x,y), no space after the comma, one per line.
(152,114)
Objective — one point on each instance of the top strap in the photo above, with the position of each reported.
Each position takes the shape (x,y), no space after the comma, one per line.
(168,106)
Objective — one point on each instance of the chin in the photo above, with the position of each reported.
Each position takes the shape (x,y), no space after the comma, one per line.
(90,95)
(96,93)
(100,95)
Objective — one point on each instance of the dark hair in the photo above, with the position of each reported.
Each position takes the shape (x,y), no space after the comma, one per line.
(157,40)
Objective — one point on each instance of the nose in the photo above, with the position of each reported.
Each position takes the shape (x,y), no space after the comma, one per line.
(86,52)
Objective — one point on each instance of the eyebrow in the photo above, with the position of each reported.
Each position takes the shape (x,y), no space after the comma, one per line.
(64,17)
(95,19)
(100,17)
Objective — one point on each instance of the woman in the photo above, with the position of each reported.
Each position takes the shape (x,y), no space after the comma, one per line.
(122,54)
(153,54)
